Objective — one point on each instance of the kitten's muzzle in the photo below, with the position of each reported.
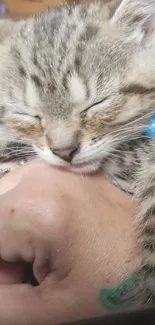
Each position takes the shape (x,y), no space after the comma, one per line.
(67,153)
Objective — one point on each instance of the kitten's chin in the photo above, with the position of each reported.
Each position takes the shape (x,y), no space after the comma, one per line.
(86,168)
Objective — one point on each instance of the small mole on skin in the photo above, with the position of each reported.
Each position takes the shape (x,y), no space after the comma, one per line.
(12,211)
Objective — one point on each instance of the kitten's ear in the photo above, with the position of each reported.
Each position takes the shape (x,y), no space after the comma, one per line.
(136,18)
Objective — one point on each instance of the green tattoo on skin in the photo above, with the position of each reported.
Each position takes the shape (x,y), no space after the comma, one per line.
(120,297)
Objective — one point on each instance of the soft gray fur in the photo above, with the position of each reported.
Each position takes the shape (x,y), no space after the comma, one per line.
(77,78)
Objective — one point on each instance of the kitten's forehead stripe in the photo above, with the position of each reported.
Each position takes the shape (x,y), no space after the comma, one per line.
(89,32)
(2,113)
(36,80)
(65,77)
(77,63)
(16,53)
(22,71)
(83,12)
(37,64)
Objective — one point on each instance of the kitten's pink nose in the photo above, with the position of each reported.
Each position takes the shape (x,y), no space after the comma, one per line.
(66,154)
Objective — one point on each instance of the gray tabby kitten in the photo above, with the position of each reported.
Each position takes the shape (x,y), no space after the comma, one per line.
(79,86)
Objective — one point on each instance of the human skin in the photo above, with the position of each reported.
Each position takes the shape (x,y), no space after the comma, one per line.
(78,233)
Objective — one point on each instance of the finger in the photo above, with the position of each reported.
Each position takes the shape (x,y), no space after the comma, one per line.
(11,274)
(19,240)
(25,305)
(20,305)
(26,246)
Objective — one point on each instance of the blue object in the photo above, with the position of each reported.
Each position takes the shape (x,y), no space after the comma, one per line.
(150,129)
(3,8)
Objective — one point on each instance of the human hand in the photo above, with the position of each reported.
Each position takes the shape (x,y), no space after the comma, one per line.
(77,233)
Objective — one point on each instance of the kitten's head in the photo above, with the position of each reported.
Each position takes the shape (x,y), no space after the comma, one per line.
(79,82)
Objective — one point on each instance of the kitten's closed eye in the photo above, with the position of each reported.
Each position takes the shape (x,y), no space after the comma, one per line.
(28,125)
(95,104)
(36,117)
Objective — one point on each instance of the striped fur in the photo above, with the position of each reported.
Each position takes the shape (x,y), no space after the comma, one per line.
(83,76)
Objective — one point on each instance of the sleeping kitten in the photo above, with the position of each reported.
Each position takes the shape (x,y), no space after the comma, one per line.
(79,86)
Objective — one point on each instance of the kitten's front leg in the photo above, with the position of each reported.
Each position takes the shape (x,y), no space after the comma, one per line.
(145,224)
